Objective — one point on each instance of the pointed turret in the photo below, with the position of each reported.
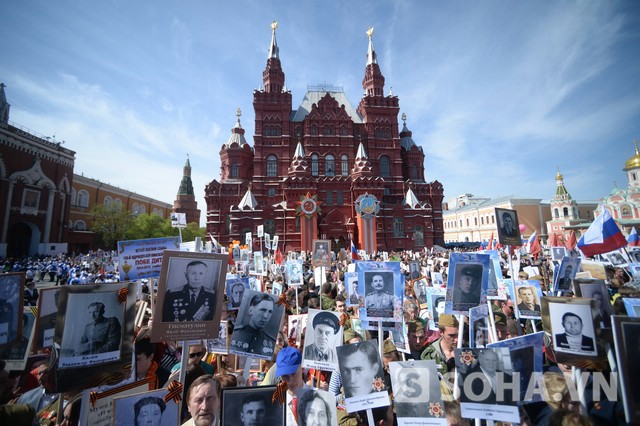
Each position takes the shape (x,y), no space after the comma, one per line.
(4,107)
(406,140)
(237,133)
(362,165)
(561,191)
(248,200)
(186,200)
(298,163)
(373,82)
(186,186)
(273,76)
(411,200)
(562,205)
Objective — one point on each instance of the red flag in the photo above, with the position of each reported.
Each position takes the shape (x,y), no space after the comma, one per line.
(279,258)
(490,246)
(553,241)
(535,249)
(571,242)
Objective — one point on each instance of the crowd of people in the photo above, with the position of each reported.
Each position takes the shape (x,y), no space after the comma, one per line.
(430,335)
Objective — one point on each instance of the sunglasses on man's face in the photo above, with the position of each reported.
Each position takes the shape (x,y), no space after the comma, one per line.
(196,354)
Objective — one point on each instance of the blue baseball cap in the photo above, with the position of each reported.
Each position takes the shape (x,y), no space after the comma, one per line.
(288,361)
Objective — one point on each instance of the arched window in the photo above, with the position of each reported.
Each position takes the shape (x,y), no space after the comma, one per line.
(398,227)
(413,171)
(117,203)
(344,166)
(314,165)
(467,222)
(108,201)
(314,130)
(385,166)
(418,236)
(135,209)
(83,198)
(475,221)
(270,227)
(556,213)
(80,225)
(329,165)
(493,219)
(235,171)
(482,220)
(565,211)
(142,208)
(272,166)
(343,131)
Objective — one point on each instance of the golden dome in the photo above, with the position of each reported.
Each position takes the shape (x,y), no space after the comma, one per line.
(633,162)
(559,176)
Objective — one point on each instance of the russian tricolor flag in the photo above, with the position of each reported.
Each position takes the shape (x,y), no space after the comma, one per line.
(354,252)
(602,236)
(633,239)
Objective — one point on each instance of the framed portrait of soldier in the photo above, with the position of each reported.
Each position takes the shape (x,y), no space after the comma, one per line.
(296,326)
(323,335)
(486,384)
(383,290)
(415,271)
(94,328)
(436,305)
(626,338)
(596,290)
(250,406)
(147,408)
(45,326)
(634,254)
(97,404)
(416,393)
(258,264)
(321,255)
(508,227)
(235,291)
(190,296)
(617,258)
(526,296)
(352,287)
(563,279)
(570,323)
(420,287)
(294,272)
(11,303)
(467,282)
(479,326)
(219,344)
(15,354)
(362,376)
(557,253)
(257,326)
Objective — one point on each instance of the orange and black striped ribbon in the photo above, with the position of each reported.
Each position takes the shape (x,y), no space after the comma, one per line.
(343,319)
(279,394)
(95,396)
(282,300)
(174,391)
(122,294)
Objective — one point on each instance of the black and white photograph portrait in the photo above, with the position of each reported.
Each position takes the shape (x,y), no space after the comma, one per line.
(420,287)
(479,323)
(635,255)
(219,344)
(380,299)
(145,409)
(414,270)
(616,258)
(190,290)
(323,335)
(437,279)
(436,305)
(557,253)
(416,391)
(626,335)
(353,289)
(11,302)
(15,354)
(362,375)
(235,291)
(321,253)
(297,325)
(572,328)
(258,263)
(257,326)
(508,227)
(316,408)
(251,407)
(467,286)
(93,329)
(294,272)
(566,273)
(596,290)
(527,299)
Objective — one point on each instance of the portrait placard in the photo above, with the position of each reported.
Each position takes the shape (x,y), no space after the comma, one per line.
(557,253)
(632,306)
(420,286)
(12,301)
(595,268)
(526,361)
(626,338)
(294,272)
(315,407)
(15,354)
(190,296)
(526,297)
(383,290)
(436,305)
(219,345)
(414,270)
(634,254)
(437,279)
(566,273)
(570,323)
(94,327)
(297,324)
(354,294)
(467,282)
(495,291)
(324,334)
(617,258)
(486,386)
(251,406)
(258,264)
(596,290)
(508,227)
(321,253)
(101,413)
(416,392)
(257,326)
(362,376)
(146,408)
(235,290)
(479,326)
(46,319)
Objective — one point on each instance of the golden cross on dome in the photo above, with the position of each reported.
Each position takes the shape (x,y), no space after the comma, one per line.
(404,118)
(274,25)
(238,113)
(370,32)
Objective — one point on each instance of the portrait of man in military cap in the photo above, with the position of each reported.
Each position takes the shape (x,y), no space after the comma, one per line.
(194,300)
(467,287)
(322,339)
(380,299)
(258,322)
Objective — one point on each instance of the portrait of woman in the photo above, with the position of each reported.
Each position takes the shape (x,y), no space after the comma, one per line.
(314,410)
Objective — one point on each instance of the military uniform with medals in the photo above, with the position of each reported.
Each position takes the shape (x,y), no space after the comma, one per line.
(179,307)
(246,339)
(382,300)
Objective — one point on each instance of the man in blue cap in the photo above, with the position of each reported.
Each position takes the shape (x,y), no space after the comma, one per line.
(288,369)
(325,328)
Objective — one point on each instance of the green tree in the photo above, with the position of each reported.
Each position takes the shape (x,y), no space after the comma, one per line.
(189,233)
(110,223)
(147,226)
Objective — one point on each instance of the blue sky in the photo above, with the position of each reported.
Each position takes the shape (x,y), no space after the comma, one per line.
(498,93)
